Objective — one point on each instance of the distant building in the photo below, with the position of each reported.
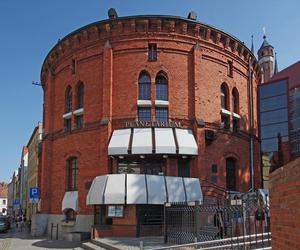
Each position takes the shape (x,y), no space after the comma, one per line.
(10,197)
(33,147)
(16,192)
(279,112)
(266,60)
(23,180)
(3,198)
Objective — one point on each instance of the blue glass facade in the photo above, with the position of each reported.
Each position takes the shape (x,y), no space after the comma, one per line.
(295,122)
(274,122)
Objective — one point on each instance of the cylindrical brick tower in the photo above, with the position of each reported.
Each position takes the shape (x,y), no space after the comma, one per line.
(189,87)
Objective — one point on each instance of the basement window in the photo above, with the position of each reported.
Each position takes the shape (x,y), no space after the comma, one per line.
(152,52)
(230,69)
(73,66)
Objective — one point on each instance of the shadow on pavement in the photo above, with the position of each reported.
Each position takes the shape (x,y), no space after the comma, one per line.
(41,242)
(56,244)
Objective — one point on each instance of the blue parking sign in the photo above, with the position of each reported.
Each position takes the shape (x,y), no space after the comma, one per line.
(34,194)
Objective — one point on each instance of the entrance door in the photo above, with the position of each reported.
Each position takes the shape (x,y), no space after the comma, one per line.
(231,174)
(150,220)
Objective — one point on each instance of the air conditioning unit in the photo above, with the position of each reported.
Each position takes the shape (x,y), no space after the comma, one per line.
(210,135)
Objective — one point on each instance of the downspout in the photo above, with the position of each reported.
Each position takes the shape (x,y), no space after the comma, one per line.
(251,139)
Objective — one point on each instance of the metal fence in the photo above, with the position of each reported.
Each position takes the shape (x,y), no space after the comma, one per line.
(233,223)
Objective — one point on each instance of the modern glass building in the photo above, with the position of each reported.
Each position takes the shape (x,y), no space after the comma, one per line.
(279,113)
(274,126)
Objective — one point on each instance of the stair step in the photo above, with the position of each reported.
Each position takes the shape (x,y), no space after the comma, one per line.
(91,246)
(104,245)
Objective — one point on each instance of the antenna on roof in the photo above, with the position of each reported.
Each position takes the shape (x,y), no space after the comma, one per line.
(36,83)
(264,31)
(252,45)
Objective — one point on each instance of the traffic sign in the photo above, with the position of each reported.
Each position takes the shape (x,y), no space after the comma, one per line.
(16,203)
(34,194)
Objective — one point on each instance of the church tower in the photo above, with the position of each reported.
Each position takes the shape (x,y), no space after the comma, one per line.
(266,59)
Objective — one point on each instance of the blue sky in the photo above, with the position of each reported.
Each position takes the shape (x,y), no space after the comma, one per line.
(29,29)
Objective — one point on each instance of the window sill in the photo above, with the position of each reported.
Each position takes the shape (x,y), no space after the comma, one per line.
(144,103)
(161,103)
(225,112)
(67,115)
(236,116)
(78,111)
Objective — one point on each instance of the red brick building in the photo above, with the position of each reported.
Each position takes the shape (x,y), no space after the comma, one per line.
(152,95)
(285,206)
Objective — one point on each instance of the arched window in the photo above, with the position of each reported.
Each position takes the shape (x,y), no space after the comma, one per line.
(161,94)
(225,115)
(80,95)
(68,102)
(236,110)
(235,101)
(161,87)
(224,96)
(231,174)
(144,87)
(72,174)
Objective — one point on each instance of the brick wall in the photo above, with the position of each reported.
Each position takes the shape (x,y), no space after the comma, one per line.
(285,206)
(109,59)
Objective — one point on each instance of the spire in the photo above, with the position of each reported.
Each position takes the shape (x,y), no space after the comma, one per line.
(276,65)
(252,46)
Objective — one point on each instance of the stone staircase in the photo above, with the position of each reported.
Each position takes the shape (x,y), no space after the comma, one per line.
(96,245)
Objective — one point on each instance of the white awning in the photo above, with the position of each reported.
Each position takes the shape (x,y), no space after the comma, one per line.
(142,141)
(70,201)
(99,184)
(164,141)
(193,189)
(119,141)
(115,189)
(175,189)
(136,189)
(186,142)
(143,189)
(157,193)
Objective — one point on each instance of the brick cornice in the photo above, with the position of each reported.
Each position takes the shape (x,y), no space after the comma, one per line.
(144,26)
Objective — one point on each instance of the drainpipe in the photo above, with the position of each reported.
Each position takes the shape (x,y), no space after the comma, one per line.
(251,140)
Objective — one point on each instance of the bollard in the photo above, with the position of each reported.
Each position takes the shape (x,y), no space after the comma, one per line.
(56,231)
(195,241)
(51,231)
(141,245)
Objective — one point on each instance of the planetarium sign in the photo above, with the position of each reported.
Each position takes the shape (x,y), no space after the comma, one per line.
(153,124)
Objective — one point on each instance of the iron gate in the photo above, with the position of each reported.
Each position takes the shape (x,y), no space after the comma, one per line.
(239,222)
(150,220)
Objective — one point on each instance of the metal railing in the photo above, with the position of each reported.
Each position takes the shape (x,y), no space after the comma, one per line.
(254,241)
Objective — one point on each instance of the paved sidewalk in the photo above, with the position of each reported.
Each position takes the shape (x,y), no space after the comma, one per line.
(23,241)
(127,243)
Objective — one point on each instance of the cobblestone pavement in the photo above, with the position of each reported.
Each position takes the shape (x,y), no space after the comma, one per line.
(14,240)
